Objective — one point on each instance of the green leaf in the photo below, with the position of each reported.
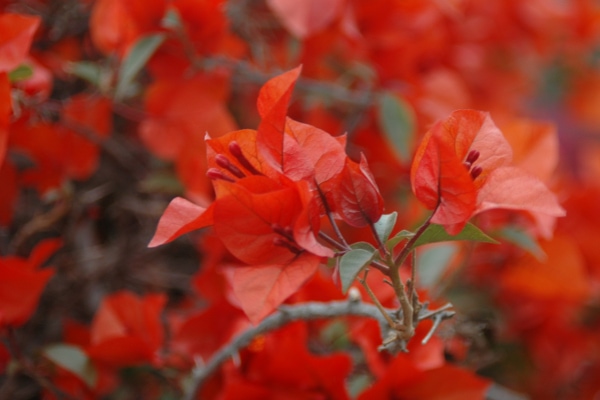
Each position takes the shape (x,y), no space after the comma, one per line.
(351,264)
(73,359)
(398,237)
(136,59)
(432,263)
(172,20)
(436,233)
(397,121)
(384,226)
(335,335)
(87,70)
(364,246)
(357,383)
(162,182)
(522,239)
(20,73)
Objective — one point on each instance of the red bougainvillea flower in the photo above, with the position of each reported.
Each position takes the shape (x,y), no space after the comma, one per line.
(305,18)
(58,150)
(127,329)
(404,380)
(303,152)
(354,195)
(115,25)
(463,167)
(263,223)
(5,112)
(279,366)
(22,283)
(272,186)
(16,34)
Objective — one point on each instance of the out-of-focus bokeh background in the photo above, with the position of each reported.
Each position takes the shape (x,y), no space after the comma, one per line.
(104,108)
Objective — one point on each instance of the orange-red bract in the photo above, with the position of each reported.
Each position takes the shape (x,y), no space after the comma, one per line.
(260,289)
(10,191)
(66,149)
(127,330)
(304,18)
(544,280)
(403,379)
(224,321)
(463,167)
(115,25)
(5,111)
(355,195)
(272,104)
(22,283)
(183,108)
(323,154)
(16,34)
(245,219)
(180,217)
(88,122)
(257,215)
(279,366)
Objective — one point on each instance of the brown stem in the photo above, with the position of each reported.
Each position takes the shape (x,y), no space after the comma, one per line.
(379,306)
(332,241)
(398,261)
(406,304)
(329,213)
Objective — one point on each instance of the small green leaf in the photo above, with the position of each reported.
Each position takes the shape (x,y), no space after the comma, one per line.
(172,20)
(432,263)
(136,59)
(397,121)
(384,226)
(398,237)
(161,182)
(357,383)
(335,335)
(522,239)
(363,246)
(73,359)
(87,70)
(20,73)
(436,233)
(351,264)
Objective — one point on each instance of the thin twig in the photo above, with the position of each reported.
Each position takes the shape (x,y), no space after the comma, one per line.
(331,219)
(333,242)
(407,308)
(437,319)
(382,310)
(399,260)
(426,314)
(411,283)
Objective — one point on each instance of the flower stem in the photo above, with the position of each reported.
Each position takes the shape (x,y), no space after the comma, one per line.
(399,260)
(382,310)
(407,304)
